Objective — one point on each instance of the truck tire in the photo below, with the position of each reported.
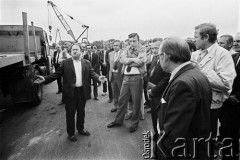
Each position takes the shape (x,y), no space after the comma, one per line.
(37,90)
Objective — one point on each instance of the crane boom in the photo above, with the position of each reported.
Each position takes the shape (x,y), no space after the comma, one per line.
(62,20)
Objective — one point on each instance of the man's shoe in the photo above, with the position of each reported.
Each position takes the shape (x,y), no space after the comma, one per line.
(150,111)
(59,92)
(113,109)
(127,117)
(72,138)
(146,106)
(113,124)
(219,145)
(84,132)
(61,103)
(133,129)
(104,94)
(110,101)
(96,98)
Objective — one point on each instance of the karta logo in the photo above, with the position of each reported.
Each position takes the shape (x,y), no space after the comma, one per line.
(181,147)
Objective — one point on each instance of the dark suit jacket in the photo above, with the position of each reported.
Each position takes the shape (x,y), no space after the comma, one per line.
(55,59)
(95,62)
(107,58)
(184,111)
(101,60)
(159,78)
(236,83)
(67,70)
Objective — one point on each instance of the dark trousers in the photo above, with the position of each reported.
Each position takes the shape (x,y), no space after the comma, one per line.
(95,88)
(104,73)
(59,80)
(231,115)
(147,102)
(107,85)
(214,115)
(154,103)
(73,105)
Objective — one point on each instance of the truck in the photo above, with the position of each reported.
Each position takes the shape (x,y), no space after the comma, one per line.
(24,53)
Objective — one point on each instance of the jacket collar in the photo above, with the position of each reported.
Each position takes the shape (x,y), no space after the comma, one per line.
(181,71)
(211,53)
(70,62)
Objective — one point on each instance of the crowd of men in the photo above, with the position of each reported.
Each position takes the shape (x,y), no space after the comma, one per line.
(189,85)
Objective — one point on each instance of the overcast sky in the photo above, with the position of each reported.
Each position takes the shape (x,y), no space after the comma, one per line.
(117,18)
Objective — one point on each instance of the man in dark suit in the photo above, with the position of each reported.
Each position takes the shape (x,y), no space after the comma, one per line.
(108,68)
(94,60)
(56,64)
(103,63)
(231,109)
(184,109)
(76,74)
(158,81)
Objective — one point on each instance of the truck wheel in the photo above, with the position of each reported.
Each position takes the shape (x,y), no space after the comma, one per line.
(37,90)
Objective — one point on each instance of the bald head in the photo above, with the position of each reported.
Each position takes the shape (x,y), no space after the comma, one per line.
(177,49)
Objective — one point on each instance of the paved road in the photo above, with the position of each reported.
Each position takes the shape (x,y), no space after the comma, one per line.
(39,132)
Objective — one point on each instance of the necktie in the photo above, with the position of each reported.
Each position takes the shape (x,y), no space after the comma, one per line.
(90,57)
(57,57)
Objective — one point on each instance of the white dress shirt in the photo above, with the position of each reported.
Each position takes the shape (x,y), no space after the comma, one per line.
(78,71)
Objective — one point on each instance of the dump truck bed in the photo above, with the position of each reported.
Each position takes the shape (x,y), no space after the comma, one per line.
(10,58)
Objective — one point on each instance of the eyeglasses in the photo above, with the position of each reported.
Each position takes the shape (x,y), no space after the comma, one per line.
(238,41)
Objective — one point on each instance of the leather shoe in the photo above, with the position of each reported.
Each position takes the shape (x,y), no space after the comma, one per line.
(61,103)
(72,138)
(96,98)
(59,92)
(84,132)
(127,117)
(113,124)
(133,129)
(146,106)
(110,101)
(113,109)
(104,94)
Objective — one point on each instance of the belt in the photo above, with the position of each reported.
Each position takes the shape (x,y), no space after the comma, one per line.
(78,87)
(131,74)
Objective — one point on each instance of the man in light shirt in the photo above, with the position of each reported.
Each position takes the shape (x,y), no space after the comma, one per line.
(134,60)
(77,74)
(217,64)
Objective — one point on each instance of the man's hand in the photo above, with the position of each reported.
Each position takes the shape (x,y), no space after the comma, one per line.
(196,64)
(149,94)
(150,85)
(102,79)
(39,80)
(233,99)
